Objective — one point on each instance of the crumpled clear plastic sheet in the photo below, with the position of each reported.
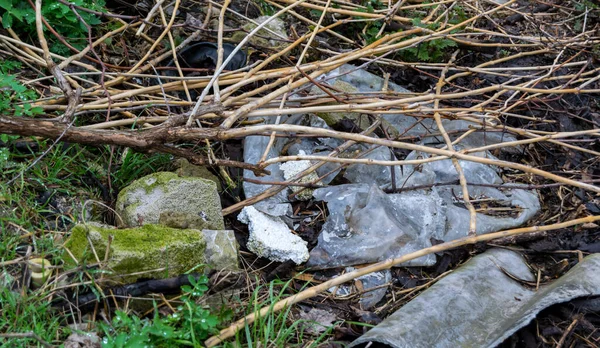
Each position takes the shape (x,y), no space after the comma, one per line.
(523,204)
(483,137)
(366,225)
(479,305)
(407,125)
(355,173)
(365,82)
(373,287)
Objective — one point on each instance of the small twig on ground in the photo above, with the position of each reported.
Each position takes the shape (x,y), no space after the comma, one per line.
(28,335)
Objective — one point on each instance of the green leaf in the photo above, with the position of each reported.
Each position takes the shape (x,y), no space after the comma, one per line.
(7,20)
(6,4)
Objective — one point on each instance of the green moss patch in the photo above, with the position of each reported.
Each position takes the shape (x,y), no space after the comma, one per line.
(134,250)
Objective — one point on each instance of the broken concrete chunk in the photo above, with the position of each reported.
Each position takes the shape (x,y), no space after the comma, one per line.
(292,168)
(270,237)
(479,305)
(166,193)
(163,252)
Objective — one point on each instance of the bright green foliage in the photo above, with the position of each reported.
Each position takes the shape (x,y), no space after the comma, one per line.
(592,13)
(134,165)
(372,5)
(189,326)
(266,9)
(14,96)
(276,329)
(457,15)
(585,5)
(13,92)
(372,27)
(371,31)
(29,313)
(20,16)
(14,101)
(427,51)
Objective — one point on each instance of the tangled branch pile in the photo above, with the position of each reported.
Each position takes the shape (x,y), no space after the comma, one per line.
(512,67)
(97,102)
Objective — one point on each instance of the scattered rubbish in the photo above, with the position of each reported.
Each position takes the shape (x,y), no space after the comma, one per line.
(350,79)
(40,270)
(271,238)
(254,147)
(316,321)
(169,199)
(371,288)
(499,209)
(481,303)
(364,223)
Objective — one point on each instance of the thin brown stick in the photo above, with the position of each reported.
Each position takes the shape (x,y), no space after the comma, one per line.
(30,334)
(461,175)
(64,85)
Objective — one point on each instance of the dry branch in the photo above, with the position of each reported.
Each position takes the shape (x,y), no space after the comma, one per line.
(154,140)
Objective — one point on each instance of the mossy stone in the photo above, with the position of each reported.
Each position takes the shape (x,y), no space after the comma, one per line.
(185,168)
(135,250)
(163,193)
